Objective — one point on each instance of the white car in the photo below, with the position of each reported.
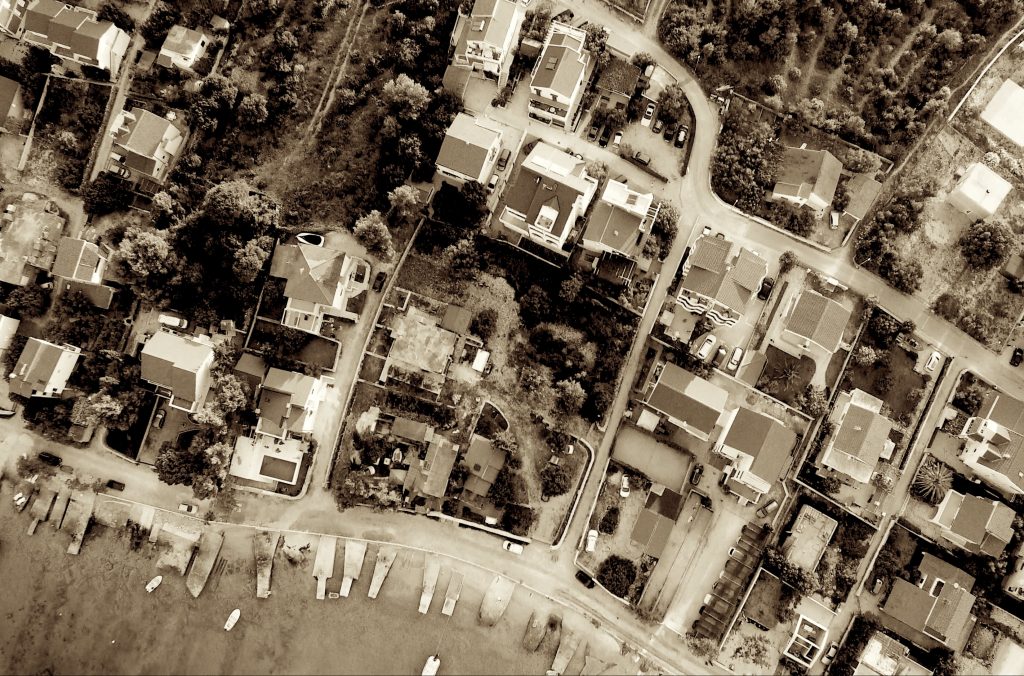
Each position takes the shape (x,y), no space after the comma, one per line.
(186,508)
(513,547)
(737,356)
(617,140)
(648,116)
(705,349)
(706,232)
(624,487)
(591,540)
(830,655)
(173,322)
(933,361)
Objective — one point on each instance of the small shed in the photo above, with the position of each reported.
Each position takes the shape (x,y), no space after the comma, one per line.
(980,192)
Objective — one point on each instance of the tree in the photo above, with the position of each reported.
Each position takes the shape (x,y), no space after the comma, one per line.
(252,111)
(463,207)
(985,245)
(25,302)
(534,305)
(250,259)
(643,59)
(144,253)
(933,481)
(96,409)
(404,97)
(484,323)
(865,356)
(117,16)
(509,488)
(201,465)
(517,519)
(571,396)
(405,202)
(555,480)
(829,485)
(617,575)
(39,60)
(373,233)
(107,194)
(813,401)
(570,288)
(610,521)
(753,649)
(787,259)
(461,258)
(672,103)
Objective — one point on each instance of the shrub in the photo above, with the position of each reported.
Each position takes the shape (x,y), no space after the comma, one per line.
(985,245)
(107,194)
(517,519)
(610,521)
(555,480)
(617,575)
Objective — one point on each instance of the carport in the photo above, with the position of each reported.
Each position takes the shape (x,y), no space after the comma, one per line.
(657,461)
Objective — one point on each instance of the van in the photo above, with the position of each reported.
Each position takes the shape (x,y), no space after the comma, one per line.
(643,159)
(172,321)
(503,159)
(769,508)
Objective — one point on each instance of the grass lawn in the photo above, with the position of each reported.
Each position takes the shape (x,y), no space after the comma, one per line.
(764,601)
(785,376)
(904,381)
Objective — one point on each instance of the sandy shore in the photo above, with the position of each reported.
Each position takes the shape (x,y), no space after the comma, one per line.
(91,614)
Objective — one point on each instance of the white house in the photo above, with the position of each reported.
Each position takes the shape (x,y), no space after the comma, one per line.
(994,448)
(757,447)
(485,40)
(145,144)
(180,368)
(559,76)
(620,221)
(320,282)
(182,47)
(469,150)
(288,404)
(43,369)
(718,284)
(808,178)
(75,34)
(979,192)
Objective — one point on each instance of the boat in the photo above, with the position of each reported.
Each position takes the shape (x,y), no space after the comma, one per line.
(154,583)
(232,618)
(432,665)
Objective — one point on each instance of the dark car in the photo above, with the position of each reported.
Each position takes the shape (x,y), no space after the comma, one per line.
(642,158)
(503,159)
(158,419)
(593,132)
(1018,357)
(585,579)
(766,288)
(659,124)
(378,281)
(606,135)
(115,485)
(698,472)
(669,133)
(681,136)
(50,459)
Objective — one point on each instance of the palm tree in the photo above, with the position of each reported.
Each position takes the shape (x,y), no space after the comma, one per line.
(932,481)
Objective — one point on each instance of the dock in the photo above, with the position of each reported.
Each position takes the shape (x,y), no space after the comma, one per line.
(385,558)
(496,600)
(355,552)
(451,597)
(180,544)
(40,509)
(323,567)
(567,646)
(27,489)
(209,548)
(264,544)
(76,519)
(430,573)
(535,631)
(60,506)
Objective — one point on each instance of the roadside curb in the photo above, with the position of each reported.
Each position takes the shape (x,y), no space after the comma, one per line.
(584,479)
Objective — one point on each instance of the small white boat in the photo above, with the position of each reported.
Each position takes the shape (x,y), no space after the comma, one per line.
(154,583)
(432,665)
(232,618)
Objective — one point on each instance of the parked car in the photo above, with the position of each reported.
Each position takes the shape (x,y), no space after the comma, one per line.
(378,281)
(768,508)
(115,485)
(158,419)
(706,231)
(606,135)
(617,141)
(696,474)
(6,413)
(591,540)
(1017,357)
(719,359)
(172,321)
(766,288)
(310,238)
(831,654)
(648,115)
(932,362)
(705,349)
(737,357)
(593,133)
(681,136)
(513,547)
(187,508)
(641,158)
(122,171)
(659,124)
(585,579)
(50,459)
(503,159)
(493,183)
(669,133)
(624,486)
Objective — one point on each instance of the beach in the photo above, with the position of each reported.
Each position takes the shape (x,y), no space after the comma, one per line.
(91,614)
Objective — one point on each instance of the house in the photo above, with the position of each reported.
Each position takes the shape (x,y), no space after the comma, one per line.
(808,537)
(807,178)
(266,462)
(808,641)
(620,222)
(179,367)
(484,461)
(757,447)
(8,329)
(470,148)
(862,191)
(718,285)
(690,403)
(319,283)
(43,369)
(12,106)
(1003,111)
(994,448)
(979,192)
(421,351)
(75,34)
(12,14)
(976,524)
(288,404)
(935,611)
(429,476)
(1014,268)
(654,525)
(145,145)
(182,47)
(885,656)
(485,40)
(252,369)
(1013,583)
(861,436)
(559,76)
(80,264)
(617,84)
(29,233)
(552,191)
(816,323)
